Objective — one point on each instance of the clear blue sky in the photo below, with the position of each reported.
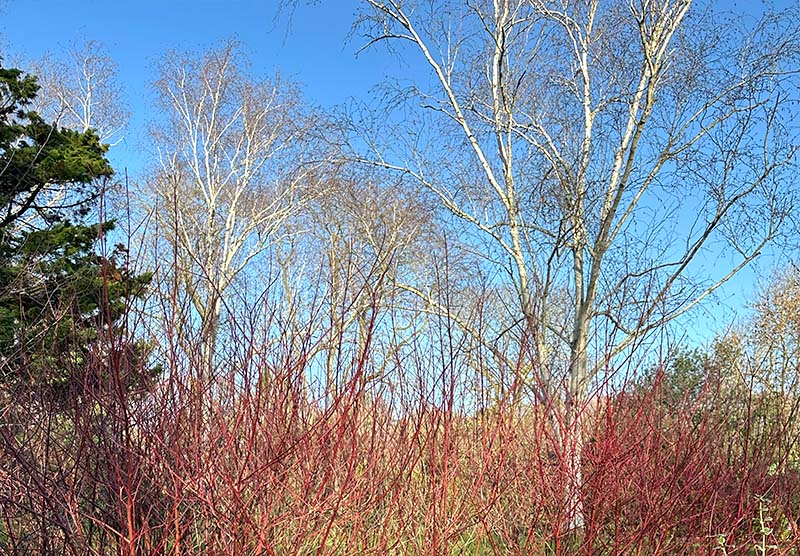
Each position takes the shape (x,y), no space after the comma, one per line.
(309,46)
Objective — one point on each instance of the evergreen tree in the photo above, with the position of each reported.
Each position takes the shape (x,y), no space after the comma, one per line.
(61,299)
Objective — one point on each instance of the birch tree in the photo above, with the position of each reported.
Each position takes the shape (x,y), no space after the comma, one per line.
(598,148)
(598,153)
(79,90)
(234,166)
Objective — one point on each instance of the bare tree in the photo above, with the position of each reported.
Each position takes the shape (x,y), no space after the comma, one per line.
(368,238)
(601,150)
(598,154)
(79,90)
(235,165)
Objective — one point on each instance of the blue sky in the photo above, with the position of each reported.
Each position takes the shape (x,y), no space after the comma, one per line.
(309,46)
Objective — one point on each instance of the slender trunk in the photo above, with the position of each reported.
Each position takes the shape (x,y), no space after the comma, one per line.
(209,334)
(573,422)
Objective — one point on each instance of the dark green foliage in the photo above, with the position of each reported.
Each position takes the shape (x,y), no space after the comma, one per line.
(59,297)
(39,160)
